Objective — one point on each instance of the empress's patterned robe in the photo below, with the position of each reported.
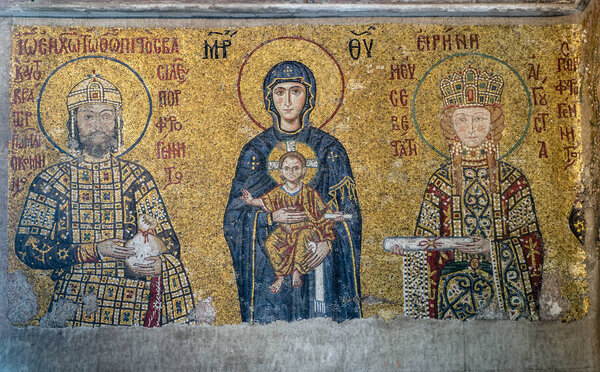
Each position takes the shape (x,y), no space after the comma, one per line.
(454,285)
(74,205)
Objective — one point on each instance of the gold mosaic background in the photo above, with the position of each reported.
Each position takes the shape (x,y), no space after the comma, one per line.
(215,127)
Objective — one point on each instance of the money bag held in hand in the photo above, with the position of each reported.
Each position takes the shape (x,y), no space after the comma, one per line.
(145,242)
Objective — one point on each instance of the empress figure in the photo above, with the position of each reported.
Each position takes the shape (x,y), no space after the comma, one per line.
(78,216)
(332,289)
(475,195)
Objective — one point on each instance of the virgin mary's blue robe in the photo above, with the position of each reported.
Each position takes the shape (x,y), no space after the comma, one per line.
(246,229)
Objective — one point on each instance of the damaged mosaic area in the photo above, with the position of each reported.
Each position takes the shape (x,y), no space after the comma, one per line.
(183,122)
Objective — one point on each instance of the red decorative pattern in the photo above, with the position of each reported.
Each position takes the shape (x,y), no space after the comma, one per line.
(153,315)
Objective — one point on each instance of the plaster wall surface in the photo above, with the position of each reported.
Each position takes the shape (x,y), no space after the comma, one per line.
(366,344)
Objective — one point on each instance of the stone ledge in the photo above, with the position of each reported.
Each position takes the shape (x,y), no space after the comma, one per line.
(408,8)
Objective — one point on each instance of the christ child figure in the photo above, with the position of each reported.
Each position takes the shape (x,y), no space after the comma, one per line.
(291,246)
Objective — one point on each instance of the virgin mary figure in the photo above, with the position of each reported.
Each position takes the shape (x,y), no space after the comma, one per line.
(475,195)
(332,289)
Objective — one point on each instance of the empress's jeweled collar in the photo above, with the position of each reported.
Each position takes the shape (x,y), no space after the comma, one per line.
(474,156)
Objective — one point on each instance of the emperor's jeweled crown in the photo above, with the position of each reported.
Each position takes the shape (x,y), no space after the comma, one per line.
(94,89)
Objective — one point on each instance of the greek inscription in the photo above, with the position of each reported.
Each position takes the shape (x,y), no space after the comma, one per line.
(17,185)
(570,156)
(543,153)
(27,162)
(211,51)
(168,124)
(405,71)
(567,134)
(539,122)
(539,98)
(566,63)
(566,110)
(25,141)
(27,71)
(174,176)
(90,44)
(168,97)
(171,150)
(22,95)
(534,71)
(399,97)
(404,147)
(174,71)
(355,47)
(569,86)
(22,119)
(400,123)
(449,42)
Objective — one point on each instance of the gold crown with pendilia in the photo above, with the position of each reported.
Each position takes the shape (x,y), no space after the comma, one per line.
(94,89)
(471,87)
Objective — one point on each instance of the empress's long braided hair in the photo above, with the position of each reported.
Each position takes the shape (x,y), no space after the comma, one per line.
(495,135)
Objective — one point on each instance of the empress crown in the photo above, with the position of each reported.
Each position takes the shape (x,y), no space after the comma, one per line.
(471,88)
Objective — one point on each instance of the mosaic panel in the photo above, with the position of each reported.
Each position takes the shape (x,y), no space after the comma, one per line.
(254,174)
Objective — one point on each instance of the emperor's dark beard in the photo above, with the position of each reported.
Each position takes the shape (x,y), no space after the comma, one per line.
(100,149)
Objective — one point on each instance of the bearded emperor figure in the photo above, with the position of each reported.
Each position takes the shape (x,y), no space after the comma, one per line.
(78,216)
